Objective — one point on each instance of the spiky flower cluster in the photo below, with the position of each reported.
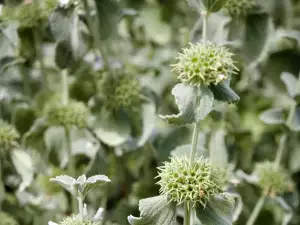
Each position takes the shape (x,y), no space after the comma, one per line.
(273,180)
(5,219)
(194,185)
(73,114)
(204,63)
(122,91)
(8,136)
(29,15)
(76,220)
(239,8)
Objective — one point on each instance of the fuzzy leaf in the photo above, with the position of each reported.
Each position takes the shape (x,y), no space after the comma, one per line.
(93,182)
(205,104)
(217,149)
(185,97)
(222,92)
(294,125)
(111,130)
(272,116)
(24,166)
(219,211)
(290,82)
(154,211)
(66,182)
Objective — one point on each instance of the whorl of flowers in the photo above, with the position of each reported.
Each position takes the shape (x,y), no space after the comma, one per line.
(204,63)
(8,136)
(273,180)
(121,91)
(75,220)
(73,114)
(239,8)
(29,15)
(6,219)
(195,185)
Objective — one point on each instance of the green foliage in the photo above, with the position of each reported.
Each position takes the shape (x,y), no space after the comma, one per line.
(8,137)
(75,220)
(6,219)
(238,8)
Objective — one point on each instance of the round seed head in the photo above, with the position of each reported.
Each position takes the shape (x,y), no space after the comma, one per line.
(239,8)
(6,219)
(73,114)
(8,136)
(122,91)
(271,179)
(204,63)
(76,220)
(196,185)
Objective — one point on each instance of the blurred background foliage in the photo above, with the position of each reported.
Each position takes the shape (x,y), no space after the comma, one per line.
(118,60)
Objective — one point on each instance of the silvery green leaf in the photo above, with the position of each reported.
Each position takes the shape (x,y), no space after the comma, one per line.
(288,210)
(92,182)
(205,104)
(154,211)
(186,100)
(217,149)
(218,211)
(222,92)
(149,120)
(213,5)
(290,82)
(111,130)
(239,206)
(52,223)
(81,180)
(272,116)
(253,179)
(66,182)
(294,123)
(24,166)
(99,214)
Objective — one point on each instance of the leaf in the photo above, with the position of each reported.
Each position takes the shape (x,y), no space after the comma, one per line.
(24,166)
(149,121)
(288,210)
(214,5)
(93,182)
(111,129)
(219,211)
(185,97)
(217,149)
(66,182)
(154,211)
(290,82)
(108,15)
(205,105)
(272,116)
(222,92)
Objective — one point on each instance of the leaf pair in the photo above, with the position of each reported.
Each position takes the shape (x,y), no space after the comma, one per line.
(157,210)
(195,103)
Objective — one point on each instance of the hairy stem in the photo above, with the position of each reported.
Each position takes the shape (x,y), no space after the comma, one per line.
(280,150)
(95,33)
(258,207)
(188,214)
(65,87)
(80,206)
(204,32)
(194,144)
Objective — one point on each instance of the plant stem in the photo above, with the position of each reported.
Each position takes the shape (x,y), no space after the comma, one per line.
(39,54)
(80,206)
(256,210)
(2,190)
(71,165)
(204,31)
(194,144)
(65,87)
(95,33)
(26,80)
(188,214)
(280,150)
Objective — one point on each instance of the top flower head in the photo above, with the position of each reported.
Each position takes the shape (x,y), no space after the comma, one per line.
(239,8)
(204,63)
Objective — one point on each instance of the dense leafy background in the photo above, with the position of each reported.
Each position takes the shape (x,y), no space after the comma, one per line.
(141,37)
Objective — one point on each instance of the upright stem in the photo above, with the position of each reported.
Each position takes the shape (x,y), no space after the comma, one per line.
(256,211)
(204,31)
(39,54)
(95,33)
(194,144)
(188,215)
(80,206)
(65,87)
(280,150)
(26,80)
